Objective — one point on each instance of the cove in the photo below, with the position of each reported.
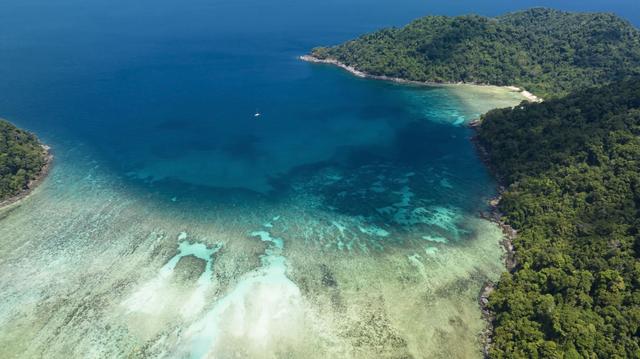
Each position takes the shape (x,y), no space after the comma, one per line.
(340,223)
(375,248)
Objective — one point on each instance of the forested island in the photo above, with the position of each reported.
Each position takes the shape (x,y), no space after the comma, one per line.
(570,165)
(545,51)
(23,162)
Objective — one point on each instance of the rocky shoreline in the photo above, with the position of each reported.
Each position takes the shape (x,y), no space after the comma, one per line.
(34,183)
(510,263)
(309,58)
(494,215)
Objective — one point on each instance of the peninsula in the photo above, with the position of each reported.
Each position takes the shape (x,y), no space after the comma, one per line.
(548,52)
(24,163)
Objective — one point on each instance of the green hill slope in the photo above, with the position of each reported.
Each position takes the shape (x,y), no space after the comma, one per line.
(572,167)
(548,52)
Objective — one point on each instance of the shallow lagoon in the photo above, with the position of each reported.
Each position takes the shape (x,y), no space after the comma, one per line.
(360,255)
(341,223)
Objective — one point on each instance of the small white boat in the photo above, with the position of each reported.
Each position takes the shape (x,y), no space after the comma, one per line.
(257,114)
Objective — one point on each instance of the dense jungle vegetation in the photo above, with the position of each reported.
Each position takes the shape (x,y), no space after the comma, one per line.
(547,52)
(21,159)
(572,167)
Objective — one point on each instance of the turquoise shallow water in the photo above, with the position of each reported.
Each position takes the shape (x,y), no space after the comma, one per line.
(374,250)
(343,261)
(340,223)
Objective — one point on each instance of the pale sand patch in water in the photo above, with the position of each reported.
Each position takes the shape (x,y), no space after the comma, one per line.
(77,257)
(481,99)
(486,97)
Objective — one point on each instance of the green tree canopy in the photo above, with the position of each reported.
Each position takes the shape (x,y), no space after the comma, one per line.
(21,159)
(548,52)
(572,167)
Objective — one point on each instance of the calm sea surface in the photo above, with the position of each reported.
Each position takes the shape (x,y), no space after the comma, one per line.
(340,222)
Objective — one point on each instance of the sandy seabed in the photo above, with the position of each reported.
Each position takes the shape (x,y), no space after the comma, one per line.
(92,268)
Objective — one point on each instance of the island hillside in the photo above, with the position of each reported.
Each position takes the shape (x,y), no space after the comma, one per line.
(572,167)
(547,52)
(23,160)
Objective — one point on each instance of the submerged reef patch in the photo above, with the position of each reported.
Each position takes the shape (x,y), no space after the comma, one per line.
(360,254)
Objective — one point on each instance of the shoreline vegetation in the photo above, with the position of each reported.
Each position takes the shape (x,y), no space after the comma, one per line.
(571,287)
(33,183)
(548,52)
(570,168)
(509,234)
(354,71)
(25,163)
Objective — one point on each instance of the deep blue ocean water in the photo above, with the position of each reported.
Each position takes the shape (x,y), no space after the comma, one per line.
(168,90)
(341,223)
